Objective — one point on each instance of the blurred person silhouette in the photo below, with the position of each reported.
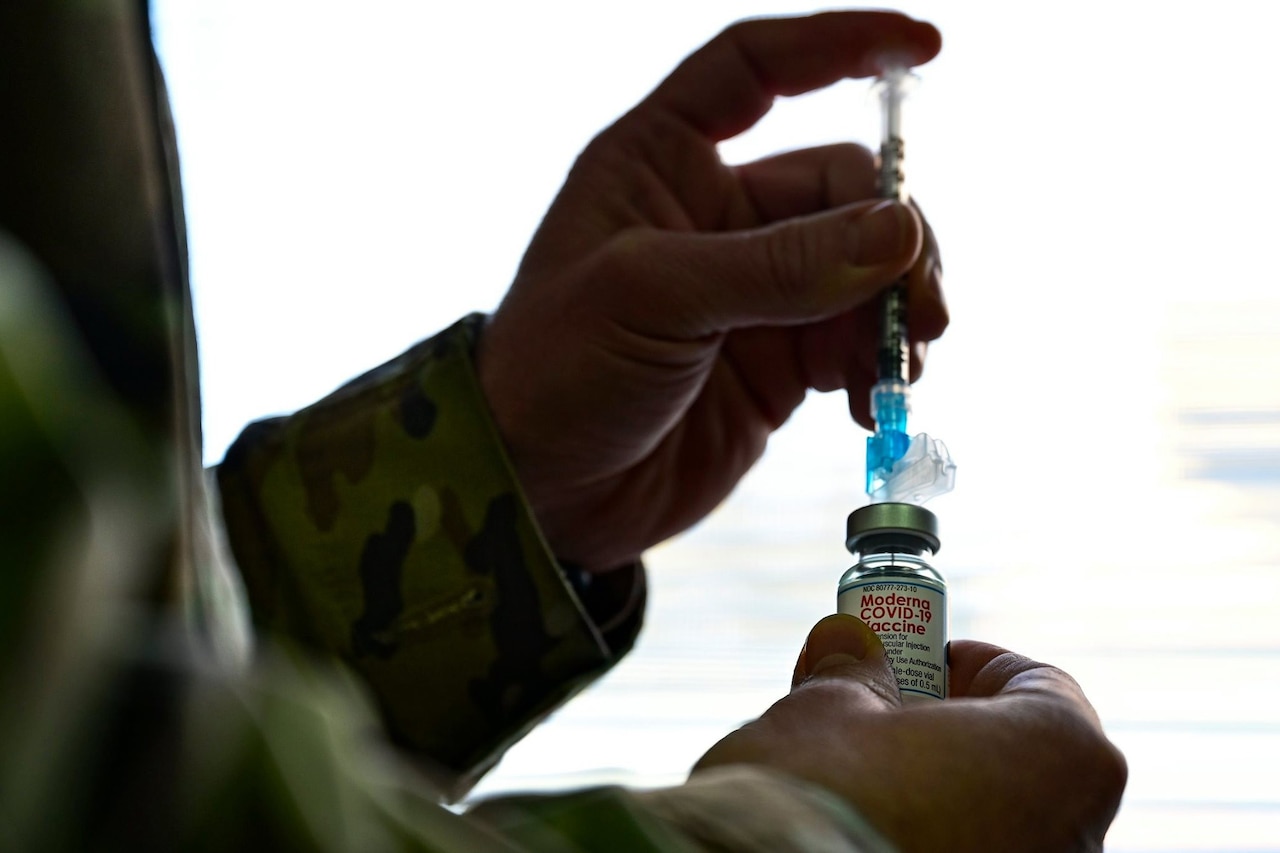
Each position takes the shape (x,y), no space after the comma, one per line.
(447,548)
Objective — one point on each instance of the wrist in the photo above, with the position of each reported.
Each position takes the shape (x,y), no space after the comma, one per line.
(545,456)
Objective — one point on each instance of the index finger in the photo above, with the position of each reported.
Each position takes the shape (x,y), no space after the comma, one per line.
(983,670)
(727,85)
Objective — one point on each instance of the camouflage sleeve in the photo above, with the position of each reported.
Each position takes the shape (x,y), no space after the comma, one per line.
(259,745)
(741,808)
(384,525)
(127,736)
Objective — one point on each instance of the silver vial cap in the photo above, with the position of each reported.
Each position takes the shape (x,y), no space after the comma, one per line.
(887,526)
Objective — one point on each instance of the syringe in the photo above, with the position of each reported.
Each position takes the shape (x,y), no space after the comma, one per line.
(900,469)
(890,397)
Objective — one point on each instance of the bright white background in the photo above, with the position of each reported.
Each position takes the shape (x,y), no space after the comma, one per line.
(1102,177)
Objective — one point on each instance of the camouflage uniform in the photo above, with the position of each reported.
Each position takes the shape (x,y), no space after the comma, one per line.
(384,525)
(389,557)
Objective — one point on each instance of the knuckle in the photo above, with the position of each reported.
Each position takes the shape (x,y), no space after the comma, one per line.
(941,322)
(1111,769)
(734,31)
(622,257)
(837,684)
(884,691)
(929,321)
(1100,774)
(1096,764)
(788,255)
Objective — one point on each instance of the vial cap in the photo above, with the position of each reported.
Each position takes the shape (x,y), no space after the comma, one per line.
(893,523)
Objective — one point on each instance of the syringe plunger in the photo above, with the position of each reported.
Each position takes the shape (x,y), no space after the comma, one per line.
(892,86)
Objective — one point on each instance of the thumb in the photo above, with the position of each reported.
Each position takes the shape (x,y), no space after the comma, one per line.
(844,647)
(799,270)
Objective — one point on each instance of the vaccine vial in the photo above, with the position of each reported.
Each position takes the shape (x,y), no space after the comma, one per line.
(893,588)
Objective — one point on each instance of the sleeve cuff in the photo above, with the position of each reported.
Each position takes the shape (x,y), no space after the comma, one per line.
(385,525)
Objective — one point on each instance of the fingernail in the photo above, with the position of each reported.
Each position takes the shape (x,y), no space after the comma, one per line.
(839,639)
(878,235)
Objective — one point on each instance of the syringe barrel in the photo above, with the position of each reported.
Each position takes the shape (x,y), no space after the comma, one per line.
(892,86)
(893,355)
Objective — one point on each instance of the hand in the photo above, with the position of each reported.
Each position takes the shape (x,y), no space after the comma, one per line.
(1015,760)
(672,311)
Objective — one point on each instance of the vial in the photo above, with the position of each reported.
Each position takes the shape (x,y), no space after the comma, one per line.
(893,588)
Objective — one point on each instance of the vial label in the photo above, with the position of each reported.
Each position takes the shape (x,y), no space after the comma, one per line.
(911,619)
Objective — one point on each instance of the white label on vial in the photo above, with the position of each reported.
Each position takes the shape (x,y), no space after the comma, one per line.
(911,620)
